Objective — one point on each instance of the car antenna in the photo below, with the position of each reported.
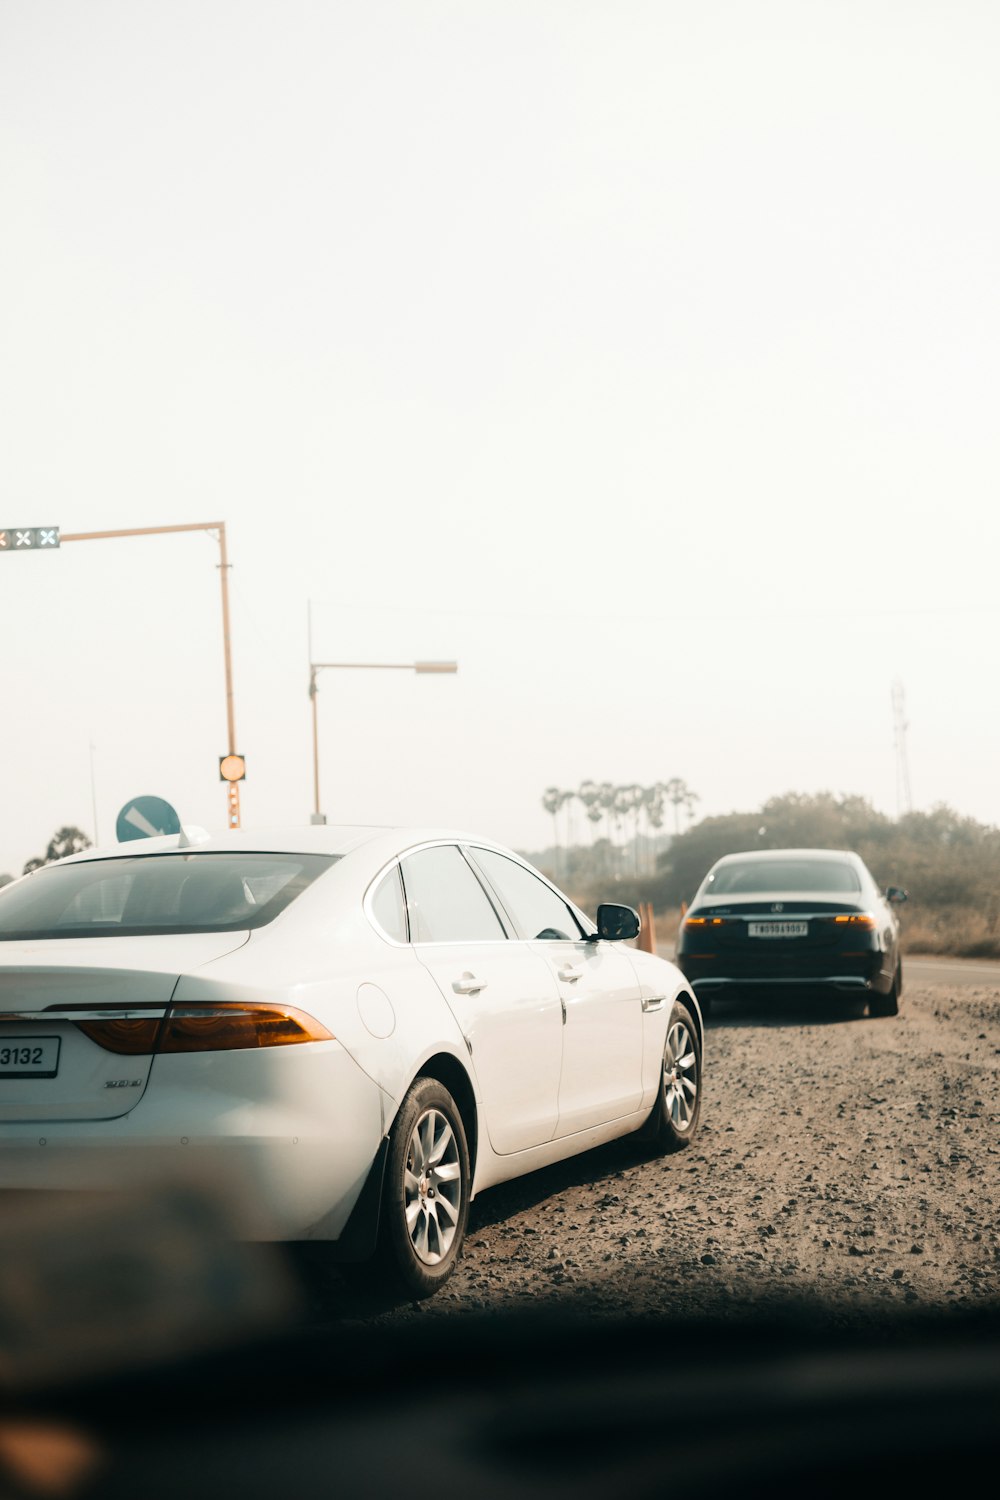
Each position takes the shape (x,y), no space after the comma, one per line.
(190,834)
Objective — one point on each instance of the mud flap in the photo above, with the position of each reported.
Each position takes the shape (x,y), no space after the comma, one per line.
(360,1236)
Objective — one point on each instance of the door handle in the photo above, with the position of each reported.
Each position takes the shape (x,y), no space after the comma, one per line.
(468,984)
(652,1002)
(569,973)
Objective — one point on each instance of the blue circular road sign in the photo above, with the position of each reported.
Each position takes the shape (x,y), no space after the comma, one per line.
(145,818)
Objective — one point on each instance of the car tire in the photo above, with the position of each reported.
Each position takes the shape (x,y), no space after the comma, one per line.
(887,1005)
(674,1117)
(426,1195)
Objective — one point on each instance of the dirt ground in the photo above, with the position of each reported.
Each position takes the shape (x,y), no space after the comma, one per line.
(763,1312)
(840,1159)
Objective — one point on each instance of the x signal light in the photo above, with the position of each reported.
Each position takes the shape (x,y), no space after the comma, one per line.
(28,538)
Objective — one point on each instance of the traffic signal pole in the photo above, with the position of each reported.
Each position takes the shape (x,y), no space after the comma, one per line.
(219,528)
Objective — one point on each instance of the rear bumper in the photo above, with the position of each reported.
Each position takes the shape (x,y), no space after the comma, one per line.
(761,969)
(845,984)
(288,1140)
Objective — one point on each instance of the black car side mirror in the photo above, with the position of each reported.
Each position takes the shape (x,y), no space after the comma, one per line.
(895,893)
(616,924)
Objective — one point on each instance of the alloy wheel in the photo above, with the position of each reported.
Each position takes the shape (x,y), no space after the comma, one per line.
(432,1187)
(680,1076)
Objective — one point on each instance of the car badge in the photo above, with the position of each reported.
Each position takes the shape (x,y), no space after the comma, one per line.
(777,905)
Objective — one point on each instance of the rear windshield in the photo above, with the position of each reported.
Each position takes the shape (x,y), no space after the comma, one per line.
(151,893)
(758,875)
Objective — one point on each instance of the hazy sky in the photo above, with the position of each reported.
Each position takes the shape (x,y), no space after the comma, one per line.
(643,357)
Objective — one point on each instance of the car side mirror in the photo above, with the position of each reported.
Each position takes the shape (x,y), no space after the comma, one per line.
(895,893)
(616,924)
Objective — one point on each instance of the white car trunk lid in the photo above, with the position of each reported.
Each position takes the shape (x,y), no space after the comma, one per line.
(49,1068)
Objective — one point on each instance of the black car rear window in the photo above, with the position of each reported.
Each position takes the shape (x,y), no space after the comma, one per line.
(754,876)
(156,893)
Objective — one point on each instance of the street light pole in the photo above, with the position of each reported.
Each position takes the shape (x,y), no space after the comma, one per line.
(359,666)
(312,694)
(224,577)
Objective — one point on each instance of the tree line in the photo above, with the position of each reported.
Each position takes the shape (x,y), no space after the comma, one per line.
(948,864)
(623,813)
(65,841)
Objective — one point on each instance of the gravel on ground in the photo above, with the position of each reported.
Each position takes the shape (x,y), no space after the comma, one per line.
(841,1159)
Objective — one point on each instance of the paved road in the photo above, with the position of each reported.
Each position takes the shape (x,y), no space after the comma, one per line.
(949,971)
(952,971)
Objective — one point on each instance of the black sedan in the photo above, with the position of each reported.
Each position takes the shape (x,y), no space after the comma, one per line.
(793,920)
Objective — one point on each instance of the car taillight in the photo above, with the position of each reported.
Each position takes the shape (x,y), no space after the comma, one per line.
(231,1025)
(855,919)
(223,1027)
(129,1038)
(699,922)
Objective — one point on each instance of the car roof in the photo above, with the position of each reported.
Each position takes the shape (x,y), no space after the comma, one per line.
(836,856)
(317,838)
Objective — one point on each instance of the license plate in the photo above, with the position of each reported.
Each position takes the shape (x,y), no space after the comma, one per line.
(29,1057)
(777,929)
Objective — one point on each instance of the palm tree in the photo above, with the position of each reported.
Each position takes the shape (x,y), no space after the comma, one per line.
(588,793)
(653,807)
(680,794)
(552,801)
(606,797)
(623,805)
(603,809)
(566,799)
(635,798)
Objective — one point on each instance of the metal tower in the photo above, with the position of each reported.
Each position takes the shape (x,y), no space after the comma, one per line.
(904,799)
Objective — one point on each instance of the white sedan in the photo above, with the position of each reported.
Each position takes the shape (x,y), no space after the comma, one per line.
(363,1026)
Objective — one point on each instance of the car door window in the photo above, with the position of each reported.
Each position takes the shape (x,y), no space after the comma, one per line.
(536,908)
(387,906)
(446,902)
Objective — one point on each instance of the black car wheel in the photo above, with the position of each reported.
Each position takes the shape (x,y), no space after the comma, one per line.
(674,1117)
(427,1181)
(887,1005)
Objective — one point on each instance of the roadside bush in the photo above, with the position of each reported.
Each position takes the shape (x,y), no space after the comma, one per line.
(948,864)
